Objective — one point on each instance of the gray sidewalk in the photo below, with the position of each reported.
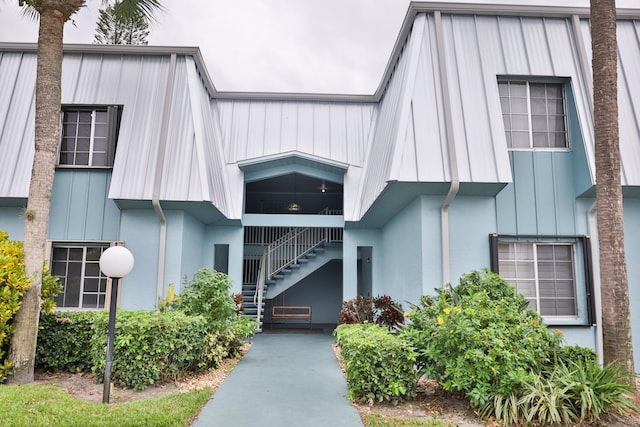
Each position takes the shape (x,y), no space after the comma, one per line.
(284,380)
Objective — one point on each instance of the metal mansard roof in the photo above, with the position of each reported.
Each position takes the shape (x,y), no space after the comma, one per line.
(436,115)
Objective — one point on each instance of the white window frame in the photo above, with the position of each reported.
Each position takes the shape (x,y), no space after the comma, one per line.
(85,245)
(112,129)
(536,276)
(531,130)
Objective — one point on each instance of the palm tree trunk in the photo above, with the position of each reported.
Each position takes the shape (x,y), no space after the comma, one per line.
(53,15)
(616,323)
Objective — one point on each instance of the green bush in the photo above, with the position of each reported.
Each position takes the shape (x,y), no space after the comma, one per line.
(379,365)
(149,347)
(208,295)
(13,283)
(63,341)
(224,343)
(479,338)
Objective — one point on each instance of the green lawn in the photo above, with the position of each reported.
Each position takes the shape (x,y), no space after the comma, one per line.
(31,406)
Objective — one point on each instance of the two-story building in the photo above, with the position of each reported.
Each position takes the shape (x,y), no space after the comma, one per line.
(475,151)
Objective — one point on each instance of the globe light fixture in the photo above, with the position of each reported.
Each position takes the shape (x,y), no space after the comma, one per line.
(115,263)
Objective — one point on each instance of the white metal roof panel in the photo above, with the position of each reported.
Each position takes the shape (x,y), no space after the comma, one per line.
(17,93)
(629,100)
(193,168)
(334,130)
(379,160)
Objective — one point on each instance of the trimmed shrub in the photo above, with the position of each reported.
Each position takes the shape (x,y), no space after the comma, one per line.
(225,343)
(150,348)
(63,341)
(379,365)
(381,310)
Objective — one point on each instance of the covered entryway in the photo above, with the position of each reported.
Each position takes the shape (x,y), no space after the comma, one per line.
(293,225)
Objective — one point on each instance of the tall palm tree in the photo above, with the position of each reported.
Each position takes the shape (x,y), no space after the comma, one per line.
(52,14)
(616,322)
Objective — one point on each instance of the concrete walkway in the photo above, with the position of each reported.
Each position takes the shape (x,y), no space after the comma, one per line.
(284,380)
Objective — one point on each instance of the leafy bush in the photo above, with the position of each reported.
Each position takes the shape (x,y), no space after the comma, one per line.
(574,353)
(381,310)
(479,338)
(379,365)
(13,283)
(63,341)
(149,347)
(207,294)
(222,344)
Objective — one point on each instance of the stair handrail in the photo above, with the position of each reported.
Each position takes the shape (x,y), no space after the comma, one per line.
(301,241)
(259,294)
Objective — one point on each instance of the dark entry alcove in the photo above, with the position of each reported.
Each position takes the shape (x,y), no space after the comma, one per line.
(293,194)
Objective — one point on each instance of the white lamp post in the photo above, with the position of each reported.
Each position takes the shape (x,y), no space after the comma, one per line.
(115,262)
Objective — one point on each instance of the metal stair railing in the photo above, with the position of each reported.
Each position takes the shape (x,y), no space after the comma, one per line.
(288,249)
(259,294)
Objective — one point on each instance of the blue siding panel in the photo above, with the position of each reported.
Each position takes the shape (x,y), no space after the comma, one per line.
(80,209)
(544,193)
(505,210)
(563,174)
(525,190)
(632,249)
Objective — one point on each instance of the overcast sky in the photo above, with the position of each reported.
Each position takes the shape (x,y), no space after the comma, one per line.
(315,46)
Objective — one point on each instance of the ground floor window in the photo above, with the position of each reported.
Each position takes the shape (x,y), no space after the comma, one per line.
(77,267)
(552,273)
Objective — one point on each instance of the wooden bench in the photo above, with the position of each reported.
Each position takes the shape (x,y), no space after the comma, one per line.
(284,312)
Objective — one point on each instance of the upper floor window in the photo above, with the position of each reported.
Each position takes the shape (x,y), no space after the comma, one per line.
(89,136)
(533,114)
(78,269)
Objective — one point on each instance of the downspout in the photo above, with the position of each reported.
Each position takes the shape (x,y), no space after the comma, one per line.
(592,224)
(157,181)
(451,150)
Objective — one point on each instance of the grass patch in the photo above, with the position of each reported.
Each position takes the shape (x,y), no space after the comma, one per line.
(376,420)
(39,405)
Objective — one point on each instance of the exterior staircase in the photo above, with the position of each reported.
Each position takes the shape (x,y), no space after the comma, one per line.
(285,261)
